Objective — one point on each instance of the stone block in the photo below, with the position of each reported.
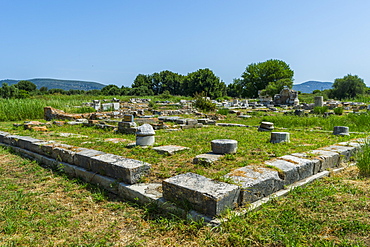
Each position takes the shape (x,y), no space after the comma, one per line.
(25,141)
(3,134)
(224,146)
(202,194)
(170,149)
(128,118)
(145,193)
(126,170)
(206,159)
(191,121)
(256,182)
(39,147)
(345,152)
(11,140)
(328,159)
(278,137)
(65,153)
(341,130)
(305,167)
(287,171)
(83,158)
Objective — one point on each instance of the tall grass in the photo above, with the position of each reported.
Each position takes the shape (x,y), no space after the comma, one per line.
(363,159)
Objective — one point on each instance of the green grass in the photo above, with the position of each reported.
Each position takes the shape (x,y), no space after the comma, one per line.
(363,159)
(42,208)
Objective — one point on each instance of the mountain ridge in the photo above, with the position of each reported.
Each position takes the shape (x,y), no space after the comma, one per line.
(60,84)
(309,86)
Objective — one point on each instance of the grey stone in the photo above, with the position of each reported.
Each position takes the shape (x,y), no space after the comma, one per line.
(278,137)
(3,134)
(267,125)
(255,182)
(206,159)
(126,170)
(305,167)
(65,153)
(83,158)
(328,159)
(191,121)
(11,140)
(145,193)
(224,146)
(24,141)
(170,149)
(145,130)
(341,130)
(145,140)
(345,152)
(319,101)
(288,171)
(38,147)
(200,193)
(128,118)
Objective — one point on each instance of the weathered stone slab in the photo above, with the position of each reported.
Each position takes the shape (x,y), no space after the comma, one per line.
(126,170)
(145,193)
(11,140)
(65,153)
(170,149)
(328,159)
(231,125)
(83,158)
(288,171)
(3,134)
(207,159)
(200,193)
(24,141)
(305,167)
(345,152)
(255,182)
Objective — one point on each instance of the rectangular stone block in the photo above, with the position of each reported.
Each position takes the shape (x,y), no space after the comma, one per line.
(345,152)
(65,153)
(126,170)
(38,147)
(202,194)
(128,118)
(328,159)
(288,171)
(83,158)
(11,140)
(3,134)
(256,182)
(305,167)
(25,141)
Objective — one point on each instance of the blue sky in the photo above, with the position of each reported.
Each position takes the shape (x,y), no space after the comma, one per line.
(113,41)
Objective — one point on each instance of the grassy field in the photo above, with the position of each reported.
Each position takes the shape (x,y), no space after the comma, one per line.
(307,133)
(40,207)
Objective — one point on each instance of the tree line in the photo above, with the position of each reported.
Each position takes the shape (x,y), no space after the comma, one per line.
(264,78)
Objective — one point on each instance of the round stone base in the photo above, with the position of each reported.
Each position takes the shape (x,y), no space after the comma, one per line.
(224,146)
(145,140)
(277,137)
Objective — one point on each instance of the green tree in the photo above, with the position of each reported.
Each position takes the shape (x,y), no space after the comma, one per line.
(203,80)
(257,76)
(234,89)
(275,87)
(111,90)
(8,92)
(142,85)
(26,86)
(347,87)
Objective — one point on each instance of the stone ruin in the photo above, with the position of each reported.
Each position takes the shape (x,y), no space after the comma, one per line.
(286,97)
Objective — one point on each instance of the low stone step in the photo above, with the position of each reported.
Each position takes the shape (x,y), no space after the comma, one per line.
(200,193)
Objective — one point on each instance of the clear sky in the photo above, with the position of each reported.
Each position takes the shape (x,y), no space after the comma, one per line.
(113,41)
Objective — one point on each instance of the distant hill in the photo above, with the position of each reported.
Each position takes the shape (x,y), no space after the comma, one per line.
(309,86)
(61,84)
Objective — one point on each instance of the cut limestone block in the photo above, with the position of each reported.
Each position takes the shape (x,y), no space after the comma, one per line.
(224,146)
(25,141)
(278,137)
(266,126)
(305,167)
(341,130)
(345,152)
(200,193)
(288,171)
(38,147)
(255,182)
(83,158)
(11,140)
(2,135)
(65,153)
(170,149)
(145,193)
(126,170)
(206,159)
(328,159)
